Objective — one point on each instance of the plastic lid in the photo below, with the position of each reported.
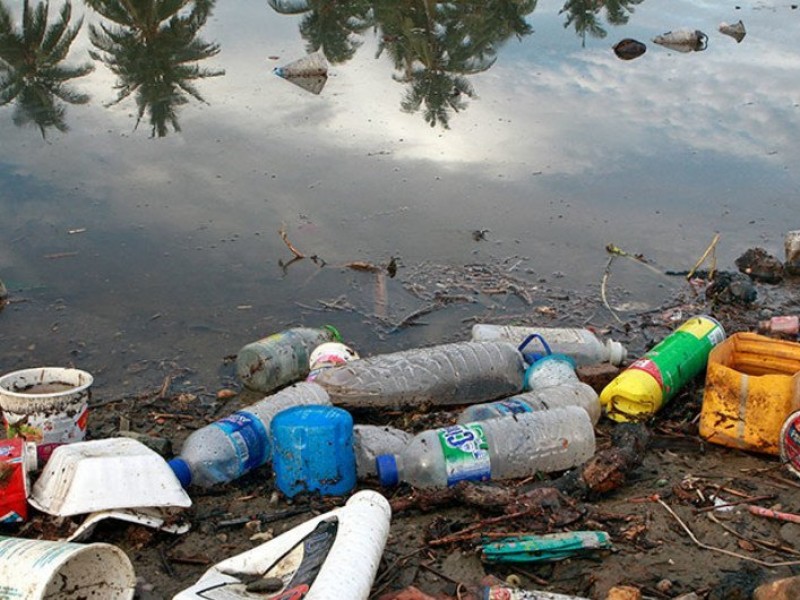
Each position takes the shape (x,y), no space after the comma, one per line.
(616,352)
(182,471)
(387,469)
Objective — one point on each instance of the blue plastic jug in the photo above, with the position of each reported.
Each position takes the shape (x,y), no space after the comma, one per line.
(313,451)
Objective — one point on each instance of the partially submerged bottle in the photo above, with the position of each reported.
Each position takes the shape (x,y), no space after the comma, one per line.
(653,380)
(333,556)
(282,358)
(506,448)
(240,442)
(581,345)
(557,396)
(456,373)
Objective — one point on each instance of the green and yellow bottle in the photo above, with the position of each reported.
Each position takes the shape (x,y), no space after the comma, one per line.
(653,380)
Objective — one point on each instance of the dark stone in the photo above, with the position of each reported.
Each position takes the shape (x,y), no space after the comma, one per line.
(761,266)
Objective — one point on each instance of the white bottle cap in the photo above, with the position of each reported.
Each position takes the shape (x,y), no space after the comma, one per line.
(616,352)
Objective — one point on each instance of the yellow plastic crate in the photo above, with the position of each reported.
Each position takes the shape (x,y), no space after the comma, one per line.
(752,386)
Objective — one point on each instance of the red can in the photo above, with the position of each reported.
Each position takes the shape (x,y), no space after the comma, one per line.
(17,457)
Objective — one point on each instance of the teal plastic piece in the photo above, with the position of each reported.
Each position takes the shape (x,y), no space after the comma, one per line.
(544,548)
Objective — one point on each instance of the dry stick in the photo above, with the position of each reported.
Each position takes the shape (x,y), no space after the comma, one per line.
(790,563)
(464,534)
(289,244)
(773,514)
(734,503)
(606,275)
(711,248)
(768,545)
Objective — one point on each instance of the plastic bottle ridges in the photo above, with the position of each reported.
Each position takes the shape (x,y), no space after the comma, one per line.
(280,359)
(456,373)
(558,396)
(505,448)
(371,441)
(238,443)
(581,345)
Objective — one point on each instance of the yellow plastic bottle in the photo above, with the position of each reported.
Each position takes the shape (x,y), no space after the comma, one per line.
(651,381)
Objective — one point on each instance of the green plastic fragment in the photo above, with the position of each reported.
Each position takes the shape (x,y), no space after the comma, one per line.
(544,548)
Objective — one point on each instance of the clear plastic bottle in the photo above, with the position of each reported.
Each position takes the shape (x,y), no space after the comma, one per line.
(238,443)
(581,345)
(457,373)
(506,448)
(557,396)
(550,370)
(371,441)
(282,358)
(784,324)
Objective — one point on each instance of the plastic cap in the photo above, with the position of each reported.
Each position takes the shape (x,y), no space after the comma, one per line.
(182,471)
(387,469)
(616,352)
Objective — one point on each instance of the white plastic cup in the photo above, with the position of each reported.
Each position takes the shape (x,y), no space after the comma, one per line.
(39,569)
(46,405)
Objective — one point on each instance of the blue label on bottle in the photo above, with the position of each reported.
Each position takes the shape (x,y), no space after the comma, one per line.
(512,407)
(249,437)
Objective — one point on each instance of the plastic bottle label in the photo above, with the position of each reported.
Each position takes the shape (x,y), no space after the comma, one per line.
(249,437)
(512,407)
(466,453)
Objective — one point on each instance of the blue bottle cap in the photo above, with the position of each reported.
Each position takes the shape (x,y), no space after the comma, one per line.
(182,471)
(387,470)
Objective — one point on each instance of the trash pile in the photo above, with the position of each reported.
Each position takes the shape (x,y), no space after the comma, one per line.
(522,406)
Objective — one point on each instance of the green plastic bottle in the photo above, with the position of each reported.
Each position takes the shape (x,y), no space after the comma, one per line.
(282,358)
(651,381)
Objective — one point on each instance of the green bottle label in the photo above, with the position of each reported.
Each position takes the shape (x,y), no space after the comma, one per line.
(466,453)
(682,355)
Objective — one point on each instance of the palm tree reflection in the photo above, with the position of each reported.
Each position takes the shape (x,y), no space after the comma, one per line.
(433,46)
(31,71)
(153,49)
(584,15)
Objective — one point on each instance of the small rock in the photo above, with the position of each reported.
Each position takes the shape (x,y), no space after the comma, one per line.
(624,592)
(597,376)
(761,266)
(664,586)
(628,49)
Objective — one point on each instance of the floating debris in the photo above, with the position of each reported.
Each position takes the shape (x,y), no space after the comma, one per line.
(628,49)
(309,72)
(736,31)
(683,40)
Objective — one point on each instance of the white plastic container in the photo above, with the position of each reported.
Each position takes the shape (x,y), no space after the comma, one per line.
(44,570)
(105,474)
(581,345)
(457,373)
(371,441)
(557,396)
(240,442)
(506,448)
(46,405)
(342,548)
(282,358)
